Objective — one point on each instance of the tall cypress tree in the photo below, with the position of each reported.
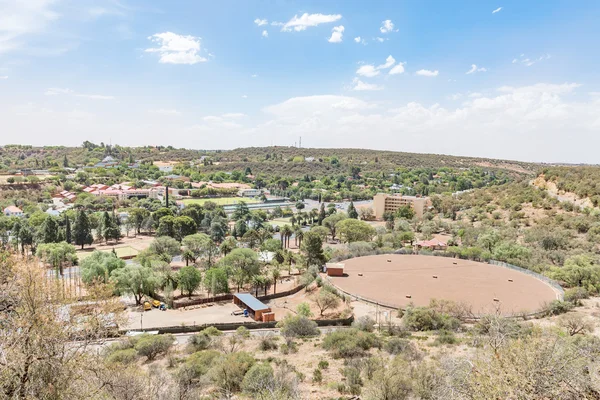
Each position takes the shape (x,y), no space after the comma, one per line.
(352,213)
(322,214)
(82,232)
(49,233)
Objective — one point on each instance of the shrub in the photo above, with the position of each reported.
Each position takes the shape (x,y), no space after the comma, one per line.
(199,363)
(557,307)
(303,309)
(151,346)
(317,376)
(267,343)
(126,356)
(228,371)
(350,343)
(427,319)
(258,377)
(445,337)
(298,326)
(404,347)
(323,364)
(243,332)
(212,331)
(199,341)
(365,324)
(576,294)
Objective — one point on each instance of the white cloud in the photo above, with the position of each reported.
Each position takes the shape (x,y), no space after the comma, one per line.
(361,86)
(534,117)
(475,95)
(380,39)
(244,96)
(389,61)
(168,112)
(387,26)
(426,72)
(398,69)
(336,34)
(67,91)
(233,115)
(455,96)
(367,70)
(475,69)
(3,76)
(528,62)
(358,39)
(307,20)
(261,22)
(254,76)
(497,10)
(176,49)
(20,20)
(265,34)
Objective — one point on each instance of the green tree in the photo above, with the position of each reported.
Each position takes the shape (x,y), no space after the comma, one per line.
(165,247)
(189,279)
(57,254)
(166,226)
(352,230)
(49,231)
(98,266)
(216,281)
(68,233)
(228,245)
(137,217)
(183,226)
(331,223)
(322,214)
(352,213)
(312,248)
(243,264)
(136,280)
(82,232)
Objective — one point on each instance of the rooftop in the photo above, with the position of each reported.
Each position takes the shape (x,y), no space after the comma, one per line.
(251,301)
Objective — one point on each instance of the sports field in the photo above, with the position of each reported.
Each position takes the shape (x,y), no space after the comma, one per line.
(222,201)
(126,251)
(417,279)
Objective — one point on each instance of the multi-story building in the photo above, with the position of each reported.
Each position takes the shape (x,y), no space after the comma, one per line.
(383,202)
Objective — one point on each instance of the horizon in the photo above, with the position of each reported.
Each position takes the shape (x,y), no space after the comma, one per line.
(499,80)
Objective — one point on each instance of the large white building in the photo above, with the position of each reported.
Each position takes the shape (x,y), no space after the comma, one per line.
(383,202)
(13,211)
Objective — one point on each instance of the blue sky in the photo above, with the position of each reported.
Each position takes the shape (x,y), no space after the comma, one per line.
(378,74)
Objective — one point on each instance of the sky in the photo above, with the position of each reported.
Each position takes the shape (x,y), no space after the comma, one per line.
(501,79)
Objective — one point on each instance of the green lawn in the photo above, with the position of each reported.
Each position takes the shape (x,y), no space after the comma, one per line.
(280,221)
(222,201)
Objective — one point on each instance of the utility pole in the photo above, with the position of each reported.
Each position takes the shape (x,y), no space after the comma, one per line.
(300,143)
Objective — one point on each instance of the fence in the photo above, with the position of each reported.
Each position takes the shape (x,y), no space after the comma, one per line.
(553,284)
(231,326)
(179,303)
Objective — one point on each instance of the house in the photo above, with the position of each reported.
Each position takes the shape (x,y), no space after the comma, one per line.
(13,211)
(432,244)
(107,162)
(65,196)
(164,166)
(383,203)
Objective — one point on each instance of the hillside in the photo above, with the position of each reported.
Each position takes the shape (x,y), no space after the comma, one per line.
(287,161)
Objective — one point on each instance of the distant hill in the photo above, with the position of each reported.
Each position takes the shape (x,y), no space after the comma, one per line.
(290,161)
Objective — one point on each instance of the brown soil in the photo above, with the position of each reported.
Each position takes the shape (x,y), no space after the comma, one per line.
(476,284)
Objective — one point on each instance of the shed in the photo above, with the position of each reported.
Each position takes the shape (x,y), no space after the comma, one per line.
(335,269)
(255,307)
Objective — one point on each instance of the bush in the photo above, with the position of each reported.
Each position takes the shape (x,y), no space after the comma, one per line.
(126,356)
(317,376)
(557,307)
(212,331)
(151,346)
(576,294)
(242,332)
(445,337)
(365,324)
(350,343)
(228,371)
(303,309)
(267,343)
(427,319)
(258,377)
(199,363)
(298,326)
(199,341)
(405,348)
(323,364)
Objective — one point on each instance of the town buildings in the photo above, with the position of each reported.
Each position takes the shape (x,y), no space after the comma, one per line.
(383,202)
